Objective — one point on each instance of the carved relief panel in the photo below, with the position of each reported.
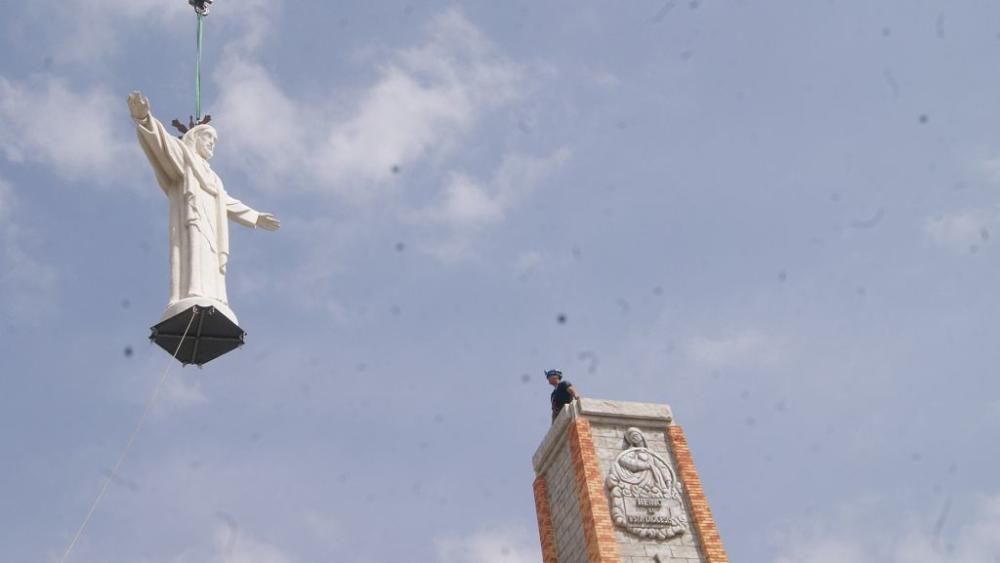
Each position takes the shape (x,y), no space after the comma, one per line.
(644,492)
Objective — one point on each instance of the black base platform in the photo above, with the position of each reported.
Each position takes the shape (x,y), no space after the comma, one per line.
(211,335)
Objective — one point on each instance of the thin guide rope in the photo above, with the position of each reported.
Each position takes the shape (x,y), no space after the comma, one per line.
(128,445)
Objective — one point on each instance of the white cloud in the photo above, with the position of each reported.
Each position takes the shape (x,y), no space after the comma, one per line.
(424,101)
(743,348)
(232,545)
(45,121)
(180,391)
(266,129)
(603,77)
(79,32)
(466,206)
(528,262)
(464,203)
(490,547)
(325,528)
(848,537)
(245,549)
(826,551)
(6,199)
(27,283)
(961,230)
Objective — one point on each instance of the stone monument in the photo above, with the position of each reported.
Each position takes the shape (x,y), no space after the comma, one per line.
(615,483)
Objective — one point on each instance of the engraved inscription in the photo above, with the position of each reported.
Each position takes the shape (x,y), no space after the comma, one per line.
(645,494)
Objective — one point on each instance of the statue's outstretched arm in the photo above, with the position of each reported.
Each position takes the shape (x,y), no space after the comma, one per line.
(244,215)
(162,149)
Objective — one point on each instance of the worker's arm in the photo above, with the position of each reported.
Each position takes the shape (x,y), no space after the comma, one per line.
(572,392)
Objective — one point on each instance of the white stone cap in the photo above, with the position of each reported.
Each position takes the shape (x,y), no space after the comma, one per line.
(625,413)
(601,408)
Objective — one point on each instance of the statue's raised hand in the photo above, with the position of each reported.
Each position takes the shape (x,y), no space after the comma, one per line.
(268,222)
(138,105)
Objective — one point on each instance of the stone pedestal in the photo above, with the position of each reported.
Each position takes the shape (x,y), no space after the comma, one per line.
(615,483)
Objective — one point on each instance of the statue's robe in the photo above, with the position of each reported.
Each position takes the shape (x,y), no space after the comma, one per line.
(199,229)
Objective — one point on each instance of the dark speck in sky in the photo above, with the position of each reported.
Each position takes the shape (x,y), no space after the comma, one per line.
(591,358)
(886,31)
(984,234)
(782,276)
(662,13)
(623,305)
(923,118)
(395,169)
(942,518)
(657,290)
(121,481)
(126,304)
(525,378)
(869,222)
(400,247)
(561,318)
(890,79)
(128,352)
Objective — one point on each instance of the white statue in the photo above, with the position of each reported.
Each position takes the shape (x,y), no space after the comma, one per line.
(199,210)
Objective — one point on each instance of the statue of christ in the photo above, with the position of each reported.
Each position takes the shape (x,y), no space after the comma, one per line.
(200,210)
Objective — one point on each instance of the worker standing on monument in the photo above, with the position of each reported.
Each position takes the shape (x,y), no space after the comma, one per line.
(563,394)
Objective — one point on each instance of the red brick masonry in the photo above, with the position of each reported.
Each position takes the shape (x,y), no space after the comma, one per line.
(708,534)
(597,527)
(545,531)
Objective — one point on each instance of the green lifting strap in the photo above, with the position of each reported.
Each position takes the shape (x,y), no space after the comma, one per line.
(197,71)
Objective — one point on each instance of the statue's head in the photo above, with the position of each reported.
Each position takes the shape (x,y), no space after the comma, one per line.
(634,438)
(201,139)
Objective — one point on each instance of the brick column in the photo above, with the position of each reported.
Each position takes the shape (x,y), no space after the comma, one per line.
(597,527)
(545,531)
(704,525)
(589,443)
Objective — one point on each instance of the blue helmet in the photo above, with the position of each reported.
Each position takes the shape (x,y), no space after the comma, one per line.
(549,373)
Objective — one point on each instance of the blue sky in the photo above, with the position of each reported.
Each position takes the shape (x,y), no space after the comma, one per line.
(779,219)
